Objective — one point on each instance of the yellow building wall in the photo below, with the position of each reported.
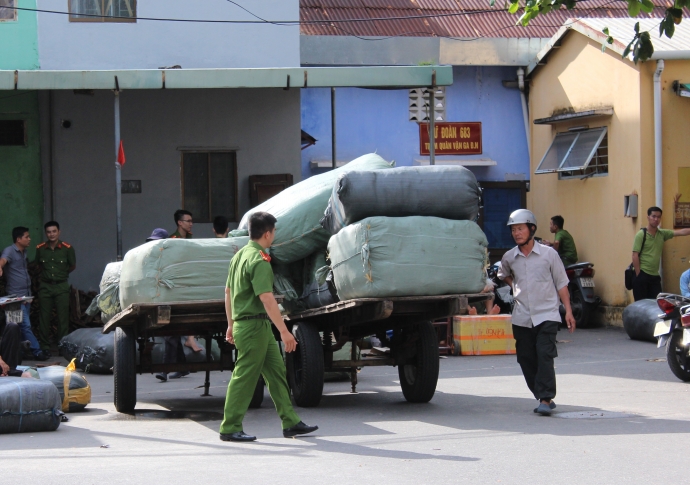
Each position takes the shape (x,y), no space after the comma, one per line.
(675,115)
(579,76)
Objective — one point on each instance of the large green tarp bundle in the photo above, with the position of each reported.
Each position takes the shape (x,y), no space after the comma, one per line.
(300,207)
(108,300)
(171,270)
(408,256)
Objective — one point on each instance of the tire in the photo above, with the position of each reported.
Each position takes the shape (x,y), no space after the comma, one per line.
(674,357)
(419,376)
(581,309)
(125,370)
(305,366)
(258,396)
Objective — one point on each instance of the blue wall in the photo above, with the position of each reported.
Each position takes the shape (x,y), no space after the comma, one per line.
(377,121)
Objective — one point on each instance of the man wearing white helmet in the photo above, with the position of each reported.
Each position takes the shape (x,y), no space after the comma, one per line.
(538,279)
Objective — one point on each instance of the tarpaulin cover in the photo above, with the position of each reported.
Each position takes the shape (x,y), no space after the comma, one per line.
(300,207)
(408,256)
(316,291)
(171,270)
(75,391)
(93,351)
(108,300)
(639,319)
(441,191)
(28,405)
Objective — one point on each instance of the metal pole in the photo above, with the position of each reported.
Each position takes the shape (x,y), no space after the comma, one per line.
(432,127)
(334,165)
(118,176)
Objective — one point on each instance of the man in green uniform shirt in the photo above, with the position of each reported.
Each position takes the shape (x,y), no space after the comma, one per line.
(646,256)
(563,242)
(251,307)
(184,223)
(57,261)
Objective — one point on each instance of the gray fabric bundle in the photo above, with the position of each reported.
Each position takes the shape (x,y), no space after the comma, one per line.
(408,256)
(29,405)
(448,192)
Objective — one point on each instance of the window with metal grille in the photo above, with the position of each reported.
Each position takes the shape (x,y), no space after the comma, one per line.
(102,10)
(209,185)
(12,133)
(8,12)
(581,153)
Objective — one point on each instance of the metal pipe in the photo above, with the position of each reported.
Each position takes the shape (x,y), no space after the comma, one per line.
(432,127)
(51,151)
(118,176)
(333,162)
(525,112)
(658,149)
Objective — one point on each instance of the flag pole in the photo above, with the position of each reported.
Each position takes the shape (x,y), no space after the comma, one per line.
(118,171)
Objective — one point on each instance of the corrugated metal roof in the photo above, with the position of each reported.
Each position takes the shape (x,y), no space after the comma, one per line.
(446,18)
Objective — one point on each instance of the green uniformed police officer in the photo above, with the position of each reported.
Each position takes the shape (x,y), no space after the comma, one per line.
(184,223)
(57,261)
(251,307)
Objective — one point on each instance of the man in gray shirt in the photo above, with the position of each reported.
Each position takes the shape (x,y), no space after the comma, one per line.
(14,264)
(538,279)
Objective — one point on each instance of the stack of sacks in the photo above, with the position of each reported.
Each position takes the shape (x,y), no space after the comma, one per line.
(170,270)
(408,231)
(108,300)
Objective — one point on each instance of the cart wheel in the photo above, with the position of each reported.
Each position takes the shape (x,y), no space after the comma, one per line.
(258,396)
(456,347)
(419,376)
(305,366)
(125,370)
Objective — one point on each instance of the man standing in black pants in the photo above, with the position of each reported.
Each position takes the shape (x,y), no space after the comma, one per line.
(537,276)
(646,256)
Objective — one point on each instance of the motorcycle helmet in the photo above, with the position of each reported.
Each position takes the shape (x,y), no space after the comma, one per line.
(522,216)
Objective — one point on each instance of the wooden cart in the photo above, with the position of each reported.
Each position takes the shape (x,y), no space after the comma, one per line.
(413,345)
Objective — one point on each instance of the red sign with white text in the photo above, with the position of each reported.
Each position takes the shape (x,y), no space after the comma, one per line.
(452,138)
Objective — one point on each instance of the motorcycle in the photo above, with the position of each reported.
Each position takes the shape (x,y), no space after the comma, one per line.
(674,332)
(583,301)
(503,294)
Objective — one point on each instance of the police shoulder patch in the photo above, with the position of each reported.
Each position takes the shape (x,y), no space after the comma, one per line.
(67,245)
(41,245)
(265,256)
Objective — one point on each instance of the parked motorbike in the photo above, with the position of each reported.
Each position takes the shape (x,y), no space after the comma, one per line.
(503,294)
(583,301)
(674,332)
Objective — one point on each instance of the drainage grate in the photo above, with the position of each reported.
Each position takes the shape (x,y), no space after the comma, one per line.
(592,415)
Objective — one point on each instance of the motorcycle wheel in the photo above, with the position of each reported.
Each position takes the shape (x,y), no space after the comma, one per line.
(580,307)
(677,357)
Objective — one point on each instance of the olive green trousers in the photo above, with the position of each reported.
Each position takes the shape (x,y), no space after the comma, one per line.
(257,355)
(53,296)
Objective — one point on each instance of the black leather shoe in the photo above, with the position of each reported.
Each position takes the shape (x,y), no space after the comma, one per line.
(238,436)
(299,428)
(42,356)
(163,376)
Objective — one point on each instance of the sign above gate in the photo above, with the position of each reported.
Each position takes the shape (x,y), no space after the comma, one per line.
(464,138)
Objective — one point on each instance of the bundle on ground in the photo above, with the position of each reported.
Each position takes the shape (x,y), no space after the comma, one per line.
(408,256)
(75,391)
(441,191)
(29,405)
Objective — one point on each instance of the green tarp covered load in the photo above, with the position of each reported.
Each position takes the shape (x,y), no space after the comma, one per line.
(440,191)
(300,207)
(108,300)
(408,256)
(170,270)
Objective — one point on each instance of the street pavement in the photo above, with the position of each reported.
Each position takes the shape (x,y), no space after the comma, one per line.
(622,417)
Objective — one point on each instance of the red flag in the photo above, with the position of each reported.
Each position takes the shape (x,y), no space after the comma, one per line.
(121,155)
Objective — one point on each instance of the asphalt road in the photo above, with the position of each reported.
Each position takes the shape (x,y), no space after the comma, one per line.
(626,421)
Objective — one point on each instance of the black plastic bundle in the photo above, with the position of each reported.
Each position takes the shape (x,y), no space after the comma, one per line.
(640,318)
(28,405)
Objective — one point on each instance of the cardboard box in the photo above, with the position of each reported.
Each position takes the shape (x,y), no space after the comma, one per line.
(483,335)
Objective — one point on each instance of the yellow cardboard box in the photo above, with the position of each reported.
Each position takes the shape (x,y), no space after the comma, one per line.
(483,335)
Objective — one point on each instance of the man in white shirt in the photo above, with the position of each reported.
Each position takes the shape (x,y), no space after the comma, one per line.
(538,279)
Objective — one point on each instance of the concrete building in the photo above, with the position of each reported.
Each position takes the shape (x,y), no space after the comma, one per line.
(594,143)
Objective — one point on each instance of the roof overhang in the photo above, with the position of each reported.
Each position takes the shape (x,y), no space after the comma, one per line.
(574,115)
(313,77)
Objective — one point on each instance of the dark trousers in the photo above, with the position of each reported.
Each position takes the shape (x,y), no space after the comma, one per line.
(9,347)
(646,286)
(174,352)
(536,348)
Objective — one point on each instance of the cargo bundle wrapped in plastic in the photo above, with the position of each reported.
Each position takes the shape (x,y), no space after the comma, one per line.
(170,270)
(317,290)
(29,405)
(408,256)
(108,300)
(75,391)
(448,192)
(300,207)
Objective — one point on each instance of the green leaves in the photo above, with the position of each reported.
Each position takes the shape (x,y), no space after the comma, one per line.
(634,8)
(514,6)
(609,39)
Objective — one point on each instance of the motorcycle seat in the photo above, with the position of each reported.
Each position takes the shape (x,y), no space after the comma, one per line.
(578,265)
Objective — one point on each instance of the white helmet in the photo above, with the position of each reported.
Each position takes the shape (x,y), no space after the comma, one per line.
(522,216)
